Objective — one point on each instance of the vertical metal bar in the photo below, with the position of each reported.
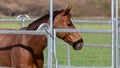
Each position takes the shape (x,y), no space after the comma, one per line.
(50,38)
(23,23)
(117,37)
(51,31)
(51,15)
(113,30)
(48,54)
(55,54)
(68,56)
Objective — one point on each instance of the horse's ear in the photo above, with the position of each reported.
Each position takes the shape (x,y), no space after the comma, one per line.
(67,10)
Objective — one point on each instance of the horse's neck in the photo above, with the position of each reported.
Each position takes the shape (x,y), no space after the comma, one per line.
(35,25)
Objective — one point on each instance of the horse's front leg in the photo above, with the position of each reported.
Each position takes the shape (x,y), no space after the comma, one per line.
(40,64)
(40,61)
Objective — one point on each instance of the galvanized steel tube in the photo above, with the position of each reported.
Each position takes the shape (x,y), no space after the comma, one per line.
(113,31)
(55,52)
(117,37)
(50,38)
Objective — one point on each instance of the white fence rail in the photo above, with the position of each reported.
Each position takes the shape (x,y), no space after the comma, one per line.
(23,32)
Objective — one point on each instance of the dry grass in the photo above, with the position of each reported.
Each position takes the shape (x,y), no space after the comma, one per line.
(40,7)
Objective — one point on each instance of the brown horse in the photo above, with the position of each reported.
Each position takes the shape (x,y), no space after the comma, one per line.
(26,51)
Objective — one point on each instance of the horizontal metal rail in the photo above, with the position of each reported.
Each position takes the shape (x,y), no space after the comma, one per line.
(118,46)
(76,21)
(9,20)
(118,31)
(94,21)
(88,45)
(23,32)
(83,31)
(7,67)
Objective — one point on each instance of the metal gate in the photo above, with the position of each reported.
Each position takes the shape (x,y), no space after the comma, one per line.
(115,35)
(113,31)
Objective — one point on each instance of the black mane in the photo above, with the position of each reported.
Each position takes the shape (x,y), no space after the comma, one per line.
(34,25)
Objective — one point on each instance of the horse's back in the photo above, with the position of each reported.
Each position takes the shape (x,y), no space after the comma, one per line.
(6,39)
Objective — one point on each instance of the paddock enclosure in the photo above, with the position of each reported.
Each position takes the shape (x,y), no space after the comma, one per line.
(101,41)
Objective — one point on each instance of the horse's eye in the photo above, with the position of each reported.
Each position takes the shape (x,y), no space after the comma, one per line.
(69,24)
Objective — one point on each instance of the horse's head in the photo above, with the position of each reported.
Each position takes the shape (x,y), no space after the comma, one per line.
(63,21)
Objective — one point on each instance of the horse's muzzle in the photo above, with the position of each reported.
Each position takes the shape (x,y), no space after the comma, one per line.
(77,45)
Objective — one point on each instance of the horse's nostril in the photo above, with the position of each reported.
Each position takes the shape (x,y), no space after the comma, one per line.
(78,44)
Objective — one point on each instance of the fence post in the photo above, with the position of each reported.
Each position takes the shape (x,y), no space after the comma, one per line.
(113,31)
(117,36)
(50,49)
